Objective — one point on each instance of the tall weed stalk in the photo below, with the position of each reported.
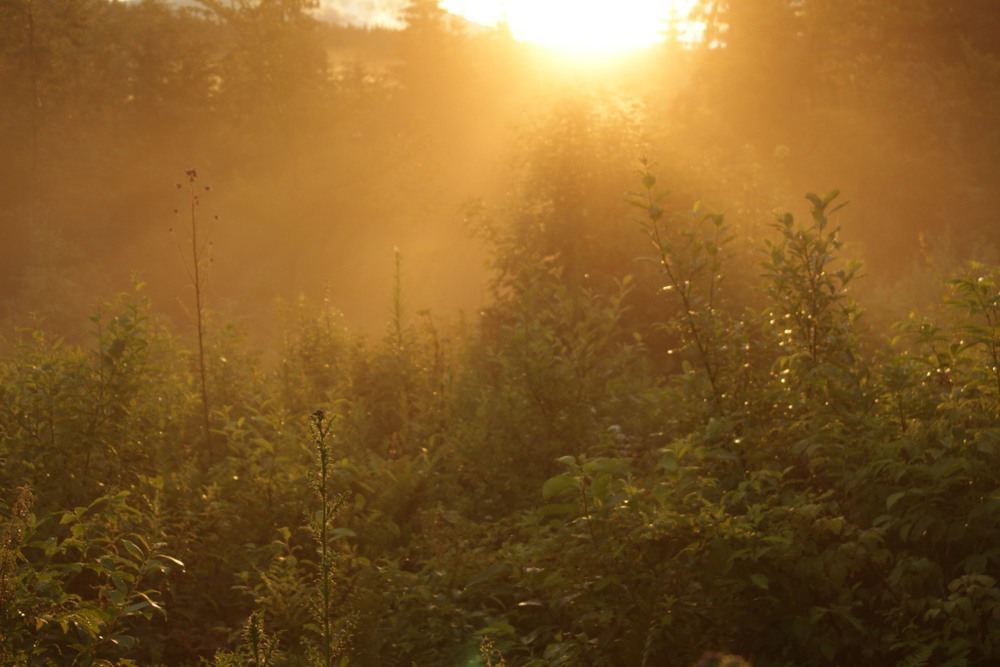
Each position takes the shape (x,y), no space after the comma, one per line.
(321,432)
(196,271)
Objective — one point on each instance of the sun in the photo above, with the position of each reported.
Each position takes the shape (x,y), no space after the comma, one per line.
(585,27)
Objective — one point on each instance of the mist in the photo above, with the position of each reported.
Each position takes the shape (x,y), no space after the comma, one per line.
(328,142)
(360,333)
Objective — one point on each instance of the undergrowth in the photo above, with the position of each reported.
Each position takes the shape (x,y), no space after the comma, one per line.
(543,486)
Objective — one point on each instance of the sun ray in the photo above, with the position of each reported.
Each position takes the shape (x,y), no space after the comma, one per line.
(581,27)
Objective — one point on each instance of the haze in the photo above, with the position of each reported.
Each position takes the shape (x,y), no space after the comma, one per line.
(326,145)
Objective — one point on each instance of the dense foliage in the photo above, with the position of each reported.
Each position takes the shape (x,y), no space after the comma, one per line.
(529,490)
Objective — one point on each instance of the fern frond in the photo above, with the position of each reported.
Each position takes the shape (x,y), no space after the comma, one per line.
(919,658)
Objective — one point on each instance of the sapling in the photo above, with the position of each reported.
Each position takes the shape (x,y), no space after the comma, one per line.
(321,427)
(689,249)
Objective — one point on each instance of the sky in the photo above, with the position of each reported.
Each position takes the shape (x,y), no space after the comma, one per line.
(382,13)
(608,24)
(582,26)
(573,24)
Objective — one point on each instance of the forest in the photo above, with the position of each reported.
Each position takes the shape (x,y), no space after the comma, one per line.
(337,344)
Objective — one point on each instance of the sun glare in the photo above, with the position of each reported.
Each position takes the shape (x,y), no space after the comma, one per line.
(580,27)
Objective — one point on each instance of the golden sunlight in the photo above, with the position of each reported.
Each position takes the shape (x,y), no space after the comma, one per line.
(585,28)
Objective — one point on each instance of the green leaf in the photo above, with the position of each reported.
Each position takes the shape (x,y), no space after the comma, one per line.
(134,607)
(153,565)
(569,461)
(606,465)
(669,462)
(149,601)
(119,583)
(600,487)
(828,650)
(500,627)
(557,508)
(170,559)
(133,549)
(559,485)
(89,621)
(760,581)
(893,499)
